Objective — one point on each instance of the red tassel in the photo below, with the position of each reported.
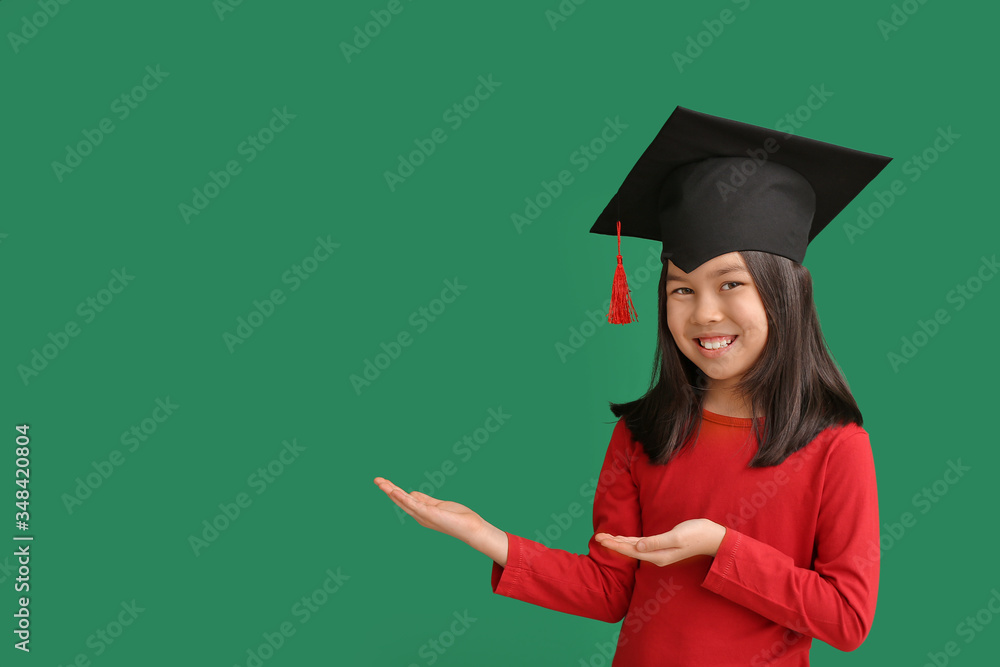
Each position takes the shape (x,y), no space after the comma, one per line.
(622,311)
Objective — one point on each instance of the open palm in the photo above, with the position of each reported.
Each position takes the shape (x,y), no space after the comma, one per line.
(445,516)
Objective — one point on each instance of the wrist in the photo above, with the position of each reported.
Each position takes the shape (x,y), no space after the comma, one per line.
(718,533)
(492,542)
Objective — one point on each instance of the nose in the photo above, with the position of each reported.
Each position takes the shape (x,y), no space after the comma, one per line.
(706,309)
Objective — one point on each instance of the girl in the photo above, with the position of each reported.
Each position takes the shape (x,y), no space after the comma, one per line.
(736,513)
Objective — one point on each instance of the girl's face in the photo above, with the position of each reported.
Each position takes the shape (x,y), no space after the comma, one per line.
(717,305)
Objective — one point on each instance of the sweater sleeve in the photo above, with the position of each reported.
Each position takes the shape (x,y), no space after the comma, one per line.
(835,602)
(597,584)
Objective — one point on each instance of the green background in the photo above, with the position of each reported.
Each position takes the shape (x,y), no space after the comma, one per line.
(493,347)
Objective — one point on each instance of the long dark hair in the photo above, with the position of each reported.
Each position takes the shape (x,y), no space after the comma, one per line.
(795,388)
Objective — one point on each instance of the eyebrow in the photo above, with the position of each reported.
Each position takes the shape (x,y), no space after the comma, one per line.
(732,268)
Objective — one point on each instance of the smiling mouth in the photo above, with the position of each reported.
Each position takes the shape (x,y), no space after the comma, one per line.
(716,343)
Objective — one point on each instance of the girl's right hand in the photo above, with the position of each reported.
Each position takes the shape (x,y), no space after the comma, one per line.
(449,518)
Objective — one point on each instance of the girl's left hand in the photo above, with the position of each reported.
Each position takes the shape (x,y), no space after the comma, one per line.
(688,538)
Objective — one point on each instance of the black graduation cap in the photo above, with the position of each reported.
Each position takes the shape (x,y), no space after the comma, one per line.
(707,186)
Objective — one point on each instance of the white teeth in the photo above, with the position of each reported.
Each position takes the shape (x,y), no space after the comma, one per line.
(715,345)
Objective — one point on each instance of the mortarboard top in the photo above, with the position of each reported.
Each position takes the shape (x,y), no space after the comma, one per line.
(707,186)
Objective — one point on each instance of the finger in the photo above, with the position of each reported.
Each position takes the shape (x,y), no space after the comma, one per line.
(623,548)
(660,557)
(405,497)
(427,515)
(389,487)
(382,481)
(666,540)
(617,541)
(423,497)
(384,484)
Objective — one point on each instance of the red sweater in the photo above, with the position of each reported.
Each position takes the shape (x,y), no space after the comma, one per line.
(800,558)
